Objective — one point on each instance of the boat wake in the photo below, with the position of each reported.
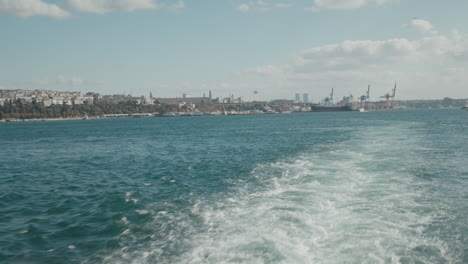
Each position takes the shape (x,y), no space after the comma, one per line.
(358,201)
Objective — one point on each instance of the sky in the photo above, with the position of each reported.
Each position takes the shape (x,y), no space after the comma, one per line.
(277,48)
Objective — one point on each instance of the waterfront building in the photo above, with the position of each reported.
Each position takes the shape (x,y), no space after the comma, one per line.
(188,100)
(44,97)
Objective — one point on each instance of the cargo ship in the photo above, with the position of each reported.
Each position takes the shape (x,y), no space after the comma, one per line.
(328,106)
(323,108)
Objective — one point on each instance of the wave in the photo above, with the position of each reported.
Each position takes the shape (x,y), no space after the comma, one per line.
(357,201)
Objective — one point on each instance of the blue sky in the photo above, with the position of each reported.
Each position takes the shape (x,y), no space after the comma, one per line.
(277,47)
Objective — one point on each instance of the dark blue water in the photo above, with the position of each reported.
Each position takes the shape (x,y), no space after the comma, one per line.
(376,187)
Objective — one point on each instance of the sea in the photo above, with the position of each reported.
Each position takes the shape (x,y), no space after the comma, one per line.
(342,187)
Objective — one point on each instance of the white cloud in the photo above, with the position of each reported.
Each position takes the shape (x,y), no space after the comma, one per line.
(73,81)
(423,66)
(357,53)
(60,79)
(243,7)
(178,5)
(422,25)
(313,9)
(367,54)
(28,8)
(260,5)
(344,4)
(267,70)
(106,6)
(339,4)
(282,5)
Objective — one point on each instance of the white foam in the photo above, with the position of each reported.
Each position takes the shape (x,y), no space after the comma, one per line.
(125,220)
(332,207)
(355,203)
(129,198)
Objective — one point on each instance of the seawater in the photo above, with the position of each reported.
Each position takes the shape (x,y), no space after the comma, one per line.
(375,187)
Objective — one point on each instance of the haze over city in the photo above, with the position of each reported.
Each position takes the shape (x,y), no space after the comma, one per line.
(277,48)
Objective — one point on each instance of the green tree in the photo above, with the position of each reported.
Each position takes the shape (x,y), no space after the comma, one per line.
(446,102)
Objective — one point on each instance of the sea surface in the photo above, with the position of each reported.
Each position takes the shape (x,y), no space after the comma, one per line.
(348,187)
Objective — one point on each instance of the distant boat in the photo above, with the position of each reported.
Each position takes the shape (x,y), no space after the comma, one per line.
(322,108)
(362,109)
(466,105)
(169,114)
(329,106)
(213,113)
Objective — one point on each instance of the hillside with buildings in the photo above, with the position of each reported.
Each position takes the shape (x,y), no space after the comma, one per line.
(43,104)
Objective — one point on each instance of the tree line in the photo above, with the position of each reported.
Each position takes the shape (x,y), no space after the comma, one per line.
(19,110)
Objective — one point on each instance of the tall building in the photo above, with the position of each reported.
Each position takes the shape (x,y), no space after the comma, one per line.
(298,97)
(305,98)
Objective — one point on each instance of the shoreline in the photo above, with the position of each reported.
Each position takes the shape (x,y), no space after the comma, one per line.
(40,120)
(146,115)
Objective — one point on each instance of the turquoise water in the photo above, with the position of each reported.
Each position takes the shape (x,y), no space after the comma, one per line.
(376,187)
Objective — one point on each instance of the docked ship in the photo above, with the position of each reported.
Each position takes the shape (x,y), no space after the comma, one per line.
(328,105)
(324,108)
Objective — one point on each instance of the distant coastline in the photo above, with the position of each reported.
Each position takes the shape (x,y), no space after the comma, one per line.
(38,105)
(175,114)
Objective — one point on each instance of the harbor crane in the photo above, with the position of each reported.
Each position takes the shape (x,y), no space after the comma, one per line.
(329,100)
(365,99)
(368,96)
(387,96)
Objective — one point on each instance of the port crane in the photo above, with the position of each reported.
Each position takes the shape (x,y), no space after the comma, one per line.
(329,100)
(365,99)
(368,97)
(387,96)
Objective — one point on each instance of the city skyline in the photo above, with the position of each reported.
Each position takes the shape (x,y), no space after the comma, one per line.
(278,48)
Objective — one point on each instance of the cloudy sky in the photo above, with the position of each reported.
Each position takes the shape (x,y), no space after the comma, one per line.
(276,47)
